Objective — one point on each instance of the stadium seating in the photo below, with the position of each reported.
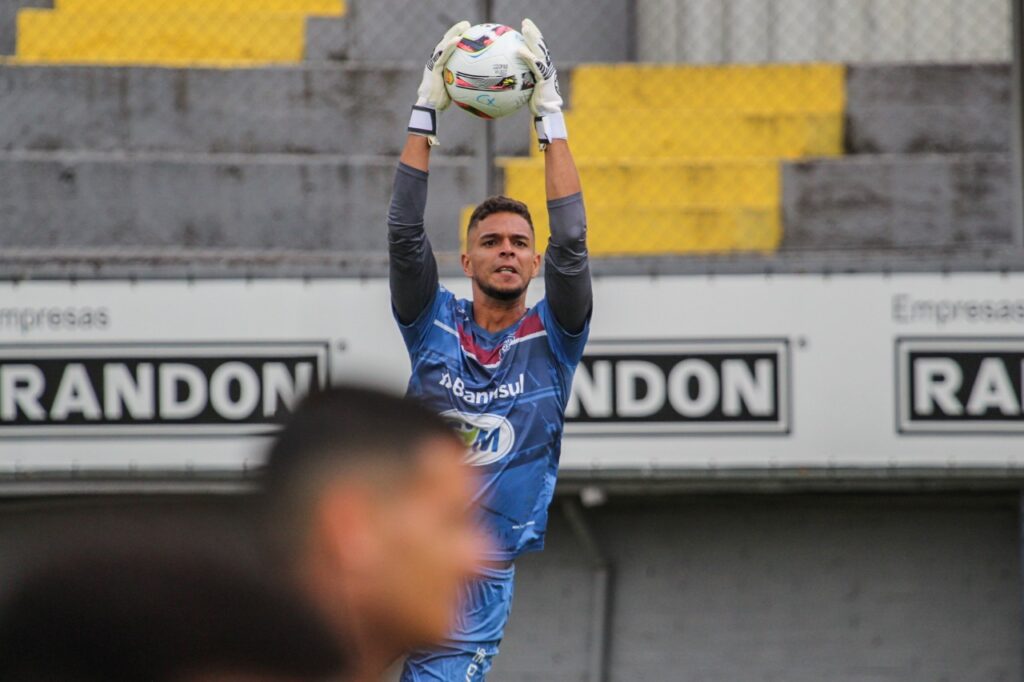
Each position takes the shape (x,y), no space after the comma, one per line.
(927,163)
(675,159)
(189,32)
(684,159)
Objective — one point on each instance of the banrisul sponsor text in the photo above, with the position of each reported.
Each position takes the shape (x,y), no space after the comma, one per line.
(460,390)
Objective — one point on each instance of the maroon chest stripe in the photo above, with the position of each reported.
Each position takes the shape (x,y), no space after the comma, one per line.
(531,324)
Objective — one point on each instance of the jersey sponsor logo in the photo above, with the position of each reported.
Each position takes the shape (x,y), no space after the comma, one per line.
(489,437)
(973,385)
(457,387)
(202,389)
(683,387)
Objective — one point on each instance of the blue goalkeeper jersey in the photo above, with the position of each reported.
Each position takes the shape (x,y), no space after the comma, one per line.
(505,393)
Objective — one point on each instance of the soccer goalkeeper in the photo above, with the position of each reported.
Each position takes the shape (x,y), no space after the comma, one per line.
(498,371)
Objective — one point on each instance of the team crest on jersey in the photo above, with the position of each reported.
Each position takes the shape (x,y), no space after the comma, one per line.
(489,437)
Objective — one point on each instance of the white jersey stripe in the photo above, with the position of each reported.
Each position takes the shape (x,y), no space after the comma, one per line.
(535,335)
(442,325)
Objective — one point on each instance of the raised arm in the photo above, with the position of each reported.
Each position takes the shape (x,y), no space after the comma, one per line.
(413,272)
(566,263)
(413,266)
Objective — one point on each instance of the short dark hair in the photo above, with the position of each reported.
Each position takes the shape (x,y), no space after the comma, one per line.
(147,615)
(499,204)
(339,430)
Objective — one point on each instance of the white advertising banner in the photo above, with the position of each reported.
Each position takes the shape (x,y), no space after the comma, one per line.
(878,371)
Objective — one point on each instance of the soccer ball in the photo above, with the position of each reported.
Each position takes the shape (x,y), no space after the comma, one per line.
(485,75)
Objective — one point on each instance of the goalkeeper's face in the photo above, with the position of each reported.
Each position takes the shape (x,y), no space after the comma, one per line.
(501,256)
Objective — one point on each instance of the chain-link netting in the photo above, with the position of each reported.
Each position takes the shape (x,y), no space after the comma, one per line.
(699,126)
(160,33)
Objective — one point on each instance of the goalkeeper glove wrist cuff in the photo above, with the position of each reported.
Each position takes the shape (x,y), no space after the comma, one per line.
(423,121)
(550,127)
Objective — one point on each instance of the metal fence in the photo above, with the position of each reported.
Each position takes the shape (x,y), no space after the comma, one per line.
(700,126)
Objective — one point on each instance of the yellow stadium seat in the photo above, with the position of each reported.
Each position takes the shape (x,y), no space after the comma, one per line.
(324,7)
(663,133)
(628,231)
(156,32)
(646,231)
(159,38)
(761,89)
(655,183)
(679,159)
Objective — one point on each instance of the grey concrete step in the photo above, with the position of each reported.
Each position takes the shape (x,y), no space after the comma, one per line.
(894,201)
(9,21)
(340,109)
(928,108)
(312,108)
(363,109)
(576,32)
(327,39)
(219,201)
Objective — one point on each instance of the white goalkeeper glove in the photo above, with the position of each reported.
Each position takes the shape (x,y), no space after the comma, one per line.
(546,102)
(432,94)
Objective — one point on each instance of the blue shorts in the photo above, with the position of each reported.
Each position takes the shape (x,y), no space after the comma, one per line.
(470,650)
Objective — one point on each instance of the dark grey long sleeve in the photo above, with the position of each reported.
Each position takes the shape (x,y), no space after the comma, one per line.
(567,264)
(413,266)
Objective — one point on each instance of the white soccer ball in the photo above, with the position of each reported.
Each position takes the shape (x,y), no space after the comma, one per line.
(485,75)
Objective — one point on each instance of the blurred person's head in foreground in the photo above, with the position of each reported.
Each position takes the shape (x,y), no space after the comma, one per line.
(369,503)
(139,615)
